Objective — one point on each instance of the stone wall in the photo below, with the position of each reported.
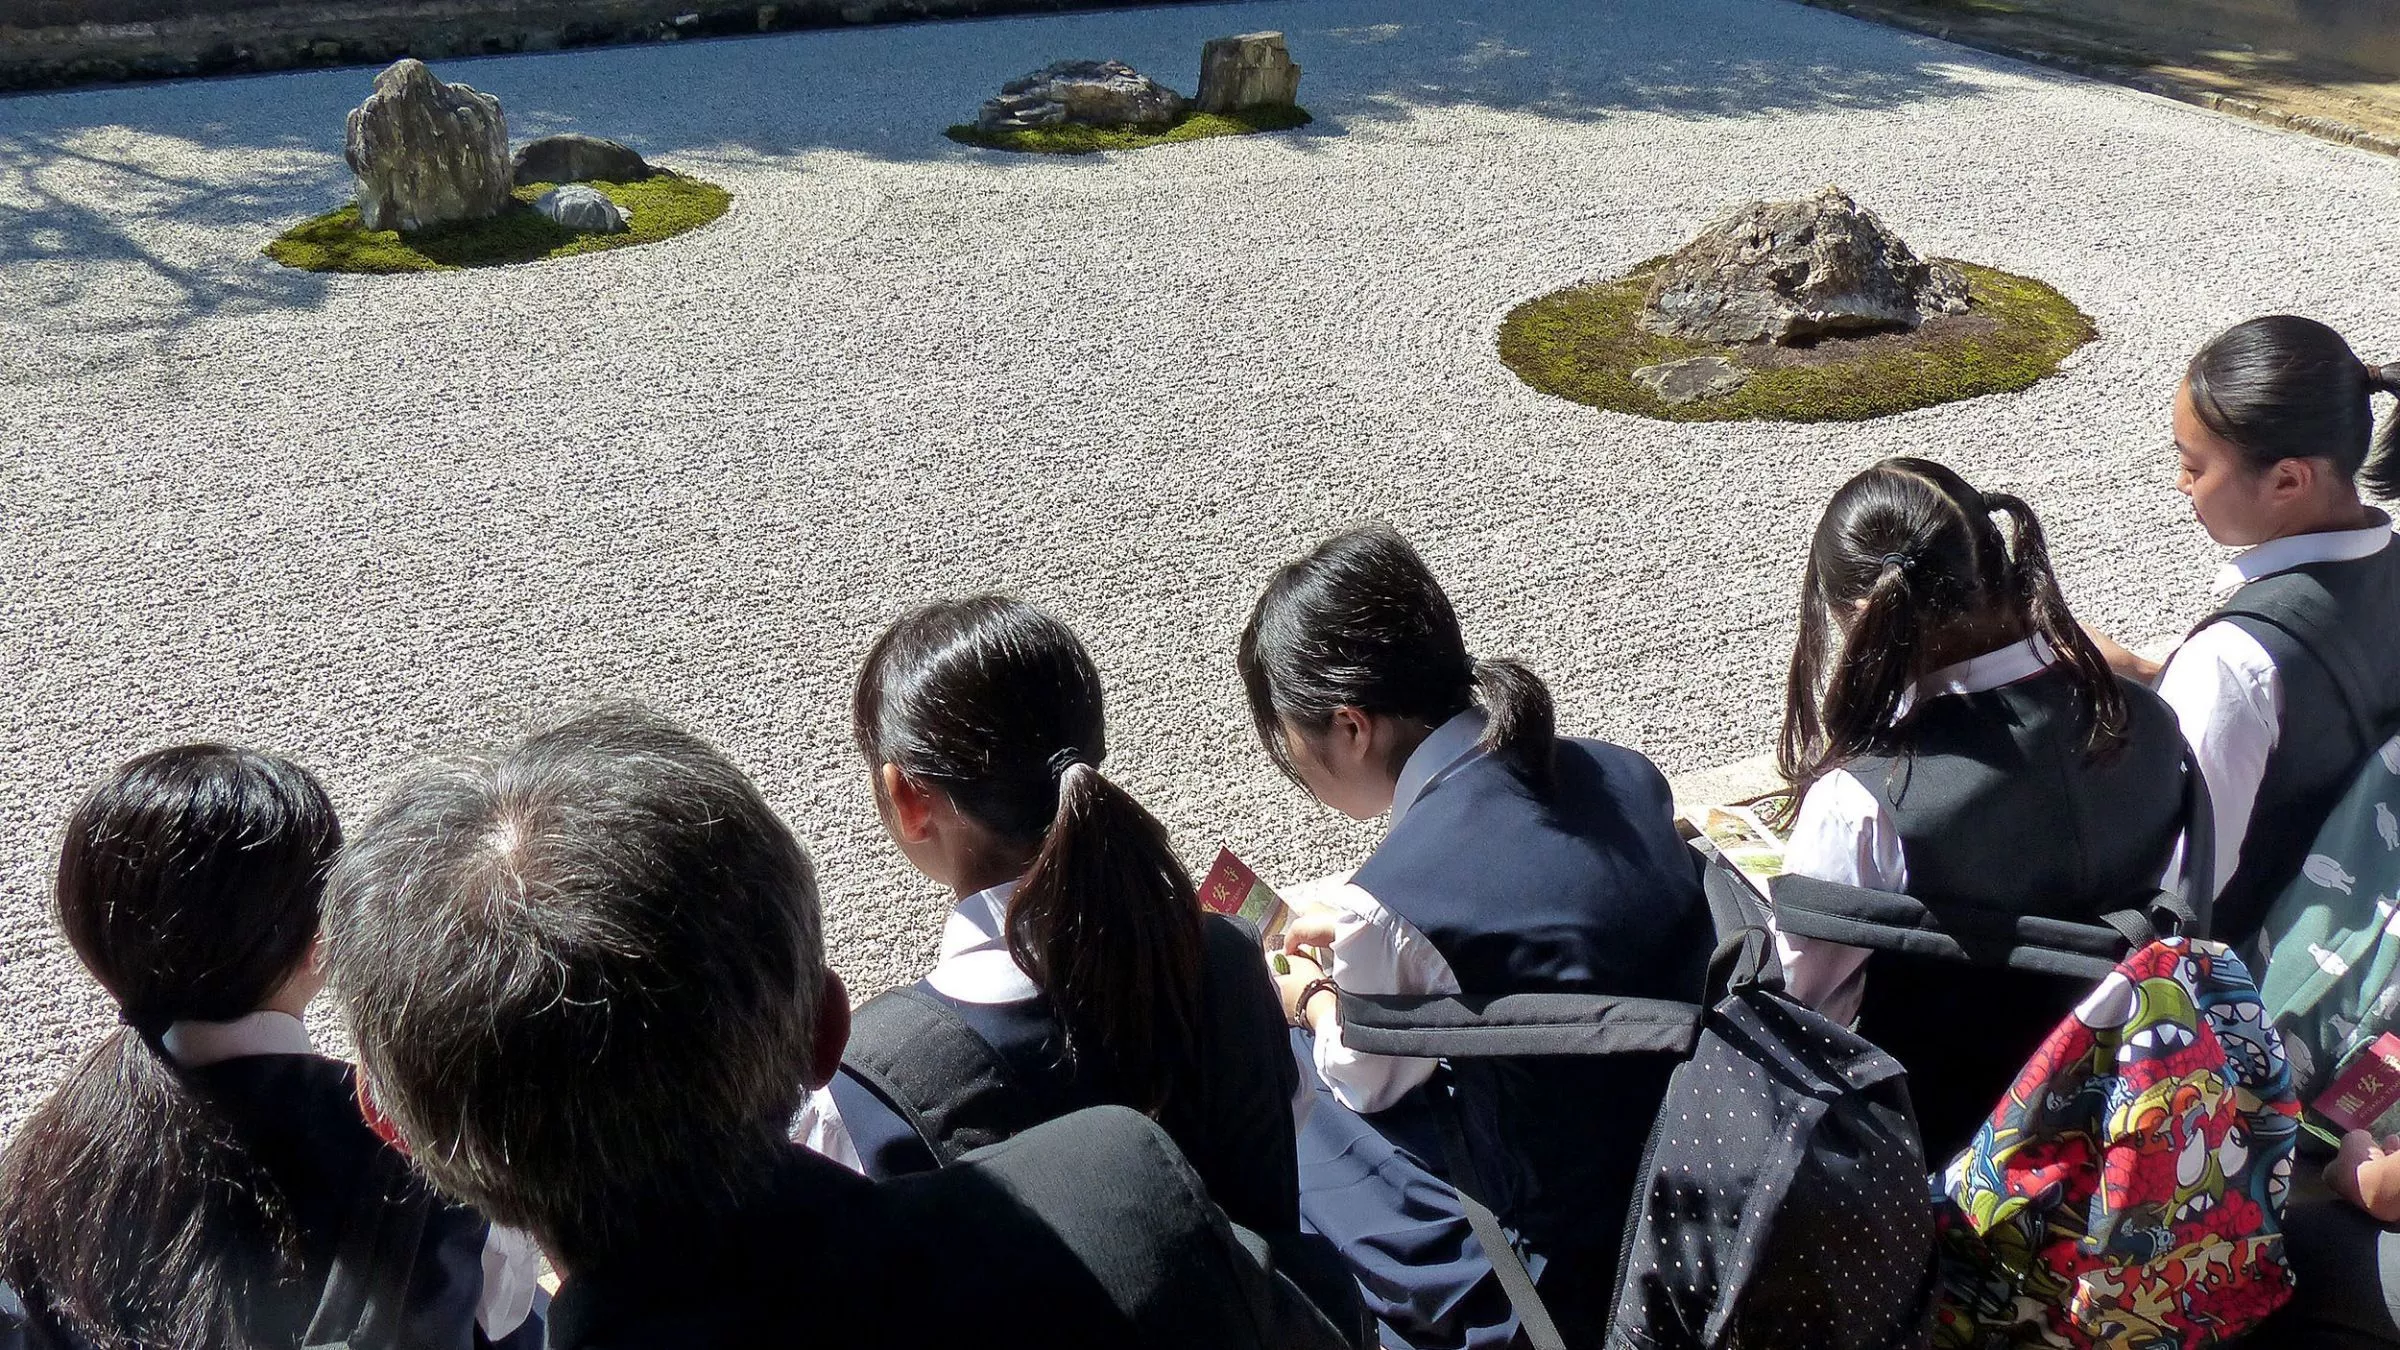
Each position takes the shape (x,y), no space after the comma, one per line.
(49,43)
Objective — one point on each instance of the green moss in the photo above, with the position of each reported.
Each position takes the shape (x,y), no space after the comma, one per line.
(1069,139)
(1585,342)
(661,208)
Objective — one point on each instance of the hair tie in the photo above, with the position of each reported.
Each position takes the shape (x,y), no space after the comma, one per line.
(1900,560)
(1066,759)
(2382,379)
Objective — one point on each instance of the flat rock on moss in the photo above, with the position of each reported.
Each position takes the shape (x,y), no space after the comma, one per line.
(583,209)
(427,153)
(575,158)
(1691,379)
(1092,93)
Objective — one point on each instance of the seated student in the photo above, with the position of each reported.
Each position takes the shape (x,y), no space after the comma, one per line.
(1953,736)
(587,982)
(2287,685)
(1077,950)
(192,1181)
(1516,862)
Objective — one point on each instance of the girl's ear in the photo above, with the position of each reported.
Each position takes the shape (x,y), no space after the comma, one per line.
(2291,480)
(907,805)
(1349,736)
(833,1033)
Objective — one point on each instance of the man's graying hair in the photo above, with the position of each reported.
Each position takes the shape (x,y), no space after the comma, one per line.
(583,978)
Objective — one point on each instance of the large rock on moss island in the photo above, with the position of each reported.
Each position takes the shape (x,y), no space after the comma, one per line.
(1091,93)
(1248,70)
(1786,272)
(426,152)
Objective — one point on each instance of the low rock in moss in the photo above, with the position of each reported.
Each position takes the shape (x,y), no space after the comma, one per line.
(1584,344)
(660,208)
(1068,138)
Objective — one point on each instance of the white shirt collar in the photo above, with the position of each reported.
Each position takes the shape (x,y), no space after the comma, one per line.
(2299,550)
(975,965)
(196,1045)
(1452,744)
(2014,662)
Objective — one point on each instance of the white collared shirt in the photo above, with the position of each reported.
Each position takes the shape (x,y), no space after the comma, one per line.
(2225,689)
(1844,833)
(975,966)
(1376,951)
(511,1262)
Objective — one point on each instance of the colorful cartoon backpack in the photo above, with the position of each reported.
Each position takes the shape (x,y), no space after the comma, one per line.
(2128,1192)
(2331,980)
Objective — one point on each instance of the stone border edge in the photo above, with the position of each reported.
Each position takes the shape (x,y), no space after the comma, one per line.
(372,33)
(2323,128)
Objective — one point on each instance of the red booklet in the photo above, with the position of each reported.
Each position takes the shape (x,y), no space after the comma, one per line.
(2361,1093)
(1232,888)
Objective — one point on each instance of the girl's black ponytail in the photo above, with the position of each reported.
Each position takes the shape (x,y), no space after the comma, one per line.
(1522,723)
(2380,475)
(1878,664)
(997,705)
(1108,924)
(2045,608)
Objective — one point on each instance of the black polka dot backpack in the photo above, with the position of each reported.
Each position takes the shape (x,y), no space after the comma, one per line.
(1781,1204)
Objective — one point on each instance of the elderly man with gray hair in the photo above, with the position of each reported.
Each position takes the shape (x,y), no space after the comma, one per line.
(587,985)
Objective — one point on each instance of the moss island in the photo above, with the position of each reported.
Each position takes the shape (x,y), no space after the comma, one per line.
(660,208)
(1585,342)
(1070,138)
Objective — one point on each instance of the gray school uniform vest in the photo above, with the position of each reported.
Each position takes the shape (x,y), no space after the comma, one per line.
(2333,632)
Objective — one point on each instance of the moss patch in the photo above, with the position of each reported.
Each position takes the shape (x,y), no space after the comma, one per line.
(1584,343)
(1071,139)
(661,207)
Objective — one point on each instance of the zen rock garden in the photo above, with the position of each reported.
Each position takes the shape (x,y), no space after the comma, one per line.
(1248,83)
(438,188)
(1803,310)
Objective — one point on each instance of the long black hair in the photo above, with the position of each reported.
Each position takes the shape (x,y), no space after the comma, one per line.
(188,884)
(2284,387)
(1912,554)
(997,706)
(1361,623)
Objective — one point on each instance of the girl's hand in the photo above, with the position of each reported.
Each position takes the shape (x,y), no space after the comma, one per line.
(1290,989)
(1311,927)
(2367,1174)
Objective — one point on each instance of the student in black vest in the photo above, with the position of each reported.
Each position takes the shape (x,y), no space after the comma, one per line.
(588,986)
(2288,684)
(1952,735)
(1076,950)
(191,1182)
(1516,862)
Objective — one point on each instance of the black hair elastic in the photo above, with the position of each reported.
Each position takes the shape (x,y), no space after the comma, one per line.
(1066,759)
(1900,560)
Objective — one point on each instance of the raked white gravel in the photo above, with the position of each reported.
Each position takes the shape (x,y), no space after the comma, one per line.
(360,519)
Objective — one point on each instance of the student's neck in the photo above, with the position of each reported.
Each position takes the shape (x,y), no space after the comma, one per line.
(2333,517)
(1968,640)
(977,875)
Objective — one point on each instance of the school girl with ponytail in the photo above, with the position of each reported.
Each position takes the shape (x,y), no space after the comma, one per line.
(2294,676)
(191,1182)
(1077,967)
(1952,735)
(1516,861)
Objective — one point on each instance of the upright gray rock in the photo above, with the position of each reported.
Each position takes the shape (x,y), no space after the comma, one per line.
(1248,70)
(1785,272)
(574,158)
(1093,93)
(426,152)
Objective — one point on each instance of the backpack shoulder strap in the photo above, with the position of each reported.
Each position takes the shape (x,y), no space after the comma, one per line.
(917,1054)
(364,1305)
